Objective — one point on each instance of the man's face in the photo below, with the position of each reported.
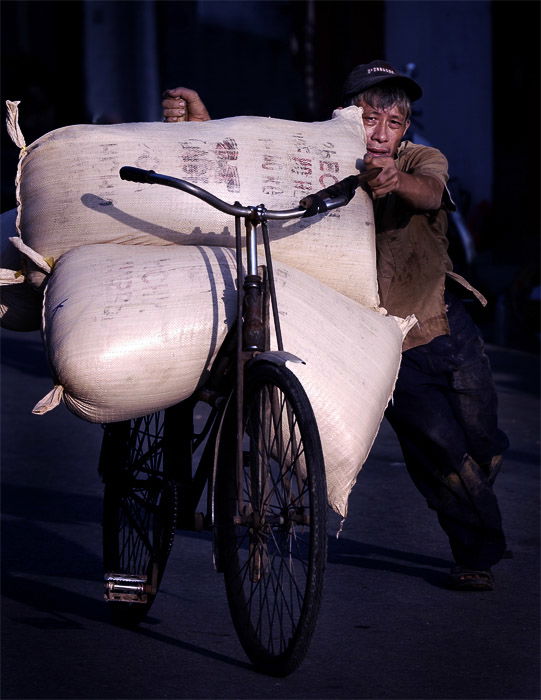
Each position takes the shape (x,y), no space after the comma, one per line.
(384,128)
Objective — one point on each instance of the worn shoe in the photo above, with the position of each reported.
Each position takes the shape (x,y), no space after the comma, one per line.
(462,579)
(493,469)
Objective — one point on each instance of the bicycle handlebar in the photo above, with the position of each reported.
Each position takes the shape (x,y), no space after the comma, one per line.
(325,200)
(150,177)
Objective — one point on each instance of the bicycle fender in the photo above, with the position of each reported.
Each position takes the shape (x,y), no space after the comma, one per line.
(277,357)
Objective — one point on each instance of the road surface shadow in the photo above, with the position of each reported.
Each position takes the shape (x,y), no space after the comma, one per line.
(349,552)
(57,608)
(50,505)
(25,353)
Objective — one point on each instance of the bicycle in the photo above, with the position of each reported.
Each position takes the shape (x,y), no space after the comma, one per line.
(261,465)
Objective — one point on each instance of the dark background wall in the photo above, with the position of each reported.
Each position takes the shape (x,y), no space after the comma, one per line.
(80,61)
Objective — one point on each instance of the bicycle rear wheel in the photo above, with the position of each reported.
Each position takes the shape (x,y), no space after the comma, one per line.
(271,527)
(139,514)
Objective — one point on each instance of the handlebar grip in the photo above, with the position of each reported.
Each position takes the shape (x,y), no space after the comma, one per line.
(336,195)
(331,197)
(128,172)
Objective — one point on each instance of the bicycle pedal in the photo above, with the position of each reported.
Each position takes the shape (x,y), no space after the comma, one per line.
(126,588)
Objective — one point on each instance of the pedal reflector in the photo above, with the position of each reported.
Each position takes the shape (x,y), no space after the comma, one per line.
(126,588)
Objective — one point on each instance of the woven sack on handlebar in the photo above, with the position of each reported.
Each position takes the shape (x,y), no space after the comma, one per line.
(70,193)
(130,330)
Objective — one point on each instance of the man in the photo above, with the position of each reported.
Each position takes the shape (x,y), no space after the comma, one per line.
(444,405)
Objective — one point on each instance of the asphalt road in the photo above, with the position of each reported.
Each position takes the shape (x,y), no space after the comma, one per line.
(389,627)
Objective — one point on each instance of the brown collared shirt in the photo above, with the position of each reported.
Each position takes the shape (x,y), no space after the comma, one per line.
(412,259)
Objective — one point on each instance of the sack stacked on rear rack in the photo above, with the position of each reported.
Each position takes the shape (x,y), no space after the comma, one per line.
(131,330)
(20,304)
(70,192)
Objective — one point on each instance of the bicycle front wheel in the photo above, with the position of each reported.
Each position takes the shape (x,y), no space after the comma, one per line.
(139,514)
(271,520)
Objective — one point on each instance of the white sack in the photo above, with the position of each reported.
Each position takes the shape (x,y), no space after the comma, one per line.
(131,330)
(20,304)
(71,194)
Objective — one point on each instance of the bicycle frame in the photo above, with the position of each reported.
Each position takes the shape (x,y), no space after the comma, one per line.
(266,505)
(248,343)
(255,292)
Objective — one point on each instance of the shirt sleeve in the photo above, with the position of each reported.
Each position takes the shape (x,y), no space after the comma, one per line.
(415,159)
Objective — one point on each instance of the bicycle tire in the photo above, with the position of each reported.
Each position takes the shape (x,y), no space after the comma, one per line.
(273,544)
(139,513)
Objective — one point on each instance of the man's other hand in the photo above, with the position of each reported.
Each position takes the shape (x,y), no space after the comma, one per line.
(183,104)
(422,192)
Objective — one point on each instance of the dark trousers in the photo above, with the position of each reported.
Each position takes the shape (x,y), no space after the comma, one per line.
(444,414)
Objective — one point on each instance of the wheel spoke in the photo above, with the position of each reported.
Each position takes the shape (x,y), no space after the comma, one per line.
(139,506)
(276,545)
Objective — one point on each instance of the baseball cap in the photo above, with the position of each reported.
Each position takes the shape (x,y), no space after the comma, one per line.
(367,75)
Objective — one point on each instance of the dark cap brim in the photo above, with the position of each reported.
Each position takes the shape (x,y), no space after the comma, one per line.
(356,84)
